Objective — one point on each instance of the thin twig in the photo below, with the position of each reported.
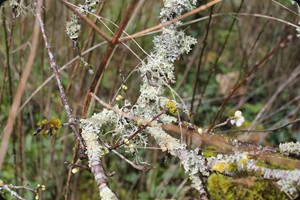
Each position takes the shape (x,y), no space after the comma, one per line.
(53,66)
(138,167)
(137,131)
(246,76)
(196,10)
(265,130)
(213,69)
(197,79)
(106,56)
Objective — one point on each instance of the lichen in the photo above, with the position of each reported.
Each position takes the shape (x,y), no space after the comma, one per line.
(164,140)
(21,8)
(290,148)
(298,8)
(73,27)
(89,133)
(107,194)
(157,72)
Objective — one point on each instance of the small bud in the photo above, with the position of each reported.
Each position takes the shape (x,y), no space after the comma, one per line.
(124,87)
(38,185)
(119,98)
(37,197)
(130,145)
(200,131)
(237,114)
(139,123)
(91,71)
(1,183)
(43,187)
(126,141)
(75,170)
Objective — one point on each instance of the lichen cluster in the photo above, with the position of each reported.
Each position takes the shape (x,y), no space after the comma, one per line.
(298,8)
(157,72)
(21,8)
(73,27)
(290,148)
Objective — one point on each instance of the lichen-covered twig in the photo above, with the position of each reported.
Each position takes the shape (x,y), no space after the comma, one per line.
(290,149)
(53,66)
(10,188)
(157,72)
(137,131)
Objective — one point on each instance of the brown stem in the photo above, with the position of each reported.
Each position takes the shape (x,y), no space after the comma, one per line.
(154,28)
(105,58)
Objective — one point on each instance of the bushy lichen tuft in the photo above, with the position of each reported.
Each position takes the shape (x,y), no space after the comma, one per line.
(73,27)
(290,148)
(298,8)
(21,8)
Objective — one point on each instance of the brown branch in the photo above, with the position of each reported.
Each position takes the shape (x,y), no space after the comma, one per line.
(154,28)
(246,76)
(108,52)
(219,142)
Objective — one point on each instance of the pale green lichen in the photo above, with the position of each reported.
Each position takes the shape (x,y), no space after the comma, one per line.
(164,140)
(89,133)
(195,166)
(73,27)
(107,194)
(290,148)
(158,72)
(21,8)
(298,8)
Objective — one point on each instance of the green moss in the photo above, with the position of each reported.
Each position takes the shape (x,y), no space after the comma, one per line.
(226,188)
(270,165)
(209,153)
(232,167)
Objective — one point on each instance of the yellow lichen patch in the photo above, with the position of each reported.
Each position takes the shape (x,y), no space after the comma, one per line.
(219,167)
(49,126)
(171,107)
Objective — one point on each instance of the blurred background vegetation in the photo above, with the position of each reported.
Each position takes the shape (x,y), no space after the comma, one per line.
(236,39)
